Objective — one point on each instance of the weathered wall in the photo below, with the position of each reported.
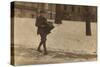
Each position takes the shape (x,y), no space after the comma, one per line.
(71,12)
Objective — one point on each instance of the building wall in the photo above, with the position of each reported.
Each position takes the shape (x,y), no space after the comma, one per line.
(71,12)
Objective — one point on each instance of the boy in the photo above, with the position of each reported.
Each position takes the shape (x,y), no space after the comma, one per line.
(41,24)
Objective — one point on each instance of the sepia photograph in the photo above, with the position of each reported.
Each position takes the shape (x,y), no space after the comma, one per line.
(48,33)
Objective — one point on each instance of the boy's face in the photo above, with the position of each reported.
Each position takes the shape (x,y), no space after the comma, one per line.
(43,14)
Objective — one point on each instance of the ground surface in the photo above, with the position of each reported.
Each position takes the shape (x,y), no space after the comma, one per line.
(66,43)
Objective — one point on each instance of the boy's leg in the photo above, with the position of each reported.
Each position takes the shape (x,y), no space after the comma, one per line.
(44,43)
(40,44)
(39,47)
(45,50)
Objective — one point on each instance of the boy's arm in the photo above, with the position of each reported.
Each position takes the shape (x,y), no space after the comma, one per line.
(36,23)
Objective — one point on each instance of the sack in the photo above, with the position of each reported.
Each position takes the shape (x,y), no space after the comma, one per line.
(50,26)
